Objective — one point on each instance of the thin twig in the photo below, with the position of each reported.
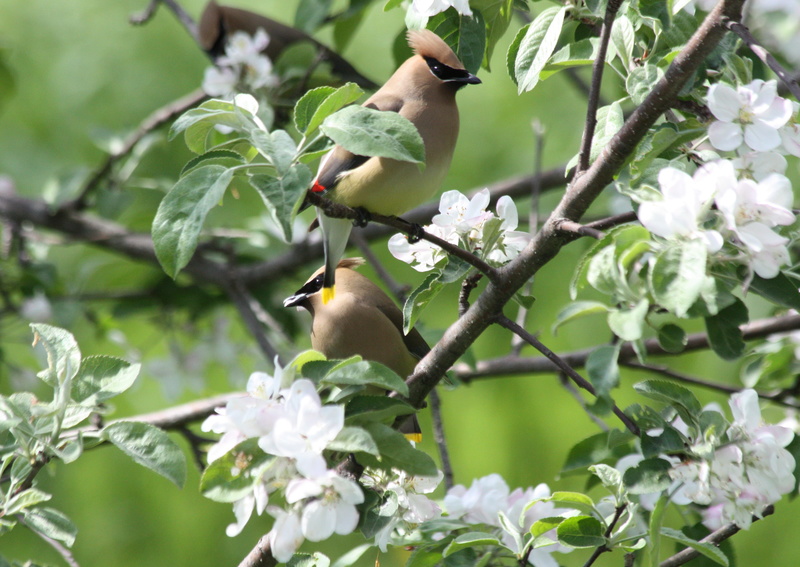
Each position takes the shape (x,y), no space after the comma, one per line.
(765,56)
(597,80)
(336,210)
(715,538)
(183,17)
(507,323)
(577,228)
(611,222)
(65,553)
(469,283)
(260,555)
(573,391)
(438,436)
(609,530)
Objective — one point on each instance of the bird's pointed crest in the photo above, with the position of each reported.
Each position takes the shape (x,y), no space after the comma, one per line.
(425,43)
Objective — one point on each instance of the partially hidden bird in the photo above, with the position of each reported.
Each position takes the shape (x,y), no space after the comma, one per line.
(423,90)
(360,320)
(218,23)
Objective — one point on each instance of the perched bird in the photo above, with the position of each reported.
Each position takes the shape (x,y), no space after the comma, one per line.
(217,23)
(361,320)
(423,90)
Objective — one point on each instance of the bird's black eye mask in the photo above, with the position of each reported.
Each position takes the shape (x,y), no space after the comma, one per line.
(310,288)
(445,73)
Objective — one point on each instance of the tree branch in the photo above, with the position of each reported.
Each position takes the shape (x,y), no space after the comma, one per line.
(579,380)
(260,555)
(441,441)
(765,56)
(594,92)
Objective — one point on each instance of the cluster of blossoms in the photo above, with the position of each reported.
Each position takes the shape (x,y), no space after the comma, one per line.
(243,67)
(466,222)
(735,475)
(405,504)
(290,424)
(747,212)
(489,501)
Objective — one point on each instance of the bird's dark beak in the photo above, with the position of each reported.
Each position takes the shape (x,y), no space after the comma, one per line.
(296,299)
(471,79)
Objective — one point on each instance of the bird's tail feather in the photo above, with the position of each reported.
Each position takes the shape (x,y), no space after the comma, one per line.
(335,233)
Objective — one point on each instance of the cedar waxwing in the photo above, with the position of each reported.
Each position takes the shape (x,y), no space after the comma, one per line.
(361,320)
(423,90)
(217,23)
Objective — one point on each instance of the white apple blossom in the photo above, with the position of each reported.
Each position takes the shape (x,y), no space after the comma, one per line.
(286,535)
(685,205)
(480,503)
(304,429)
(328,504)
(749,469)
(766,249)
(243,65)
(758,165)
(751,114)
(790,133)
(466,222)
(768,202)
(429,8)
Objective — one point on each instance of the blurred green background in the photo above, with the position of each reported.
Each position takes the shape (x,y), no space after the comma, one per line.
(80,75)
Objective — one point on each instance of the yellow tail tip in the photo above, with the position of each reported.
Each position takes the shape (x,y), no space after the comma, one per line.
(327,294)
(415,437)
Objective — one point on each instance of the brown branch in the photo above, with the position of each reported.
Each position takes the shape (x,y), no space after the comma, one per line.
(609,530)
(611,222)
(513,365)
(398,290)
(183,17)
(253,315)
(714,538)
(260,555)
(337,210)
(579,380)
(594,92)
(577,199)
(581,229)
(766,57)
(441,441)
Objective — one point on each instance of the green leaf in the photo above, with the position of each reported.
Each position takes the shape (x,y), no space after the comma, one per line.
(182,212)
(397,452)
(641,81)
(101,378)
(419,298)
(513,50)
(544,525)
(63,354)
(354,440)
(199,122)
(218,156)
(707,549)
(361,409)
(575,54)
(577,309)
(470,539)
(724,333)
(628,324)
(150,447)
(623,37)
(537,46)
(278,147)
(781,290)
(284,195)
(51,523)
(465,35)
(315,559)
(609,476)
(676,277)
(311,14)
(674,395)
(231,477)
(649,476)
(317,104)
(609,121)
(25,499)
(581,531)
(603,369)
(672,338)
(367,373)
(670,440)
(497,15)
(574,500)
(597,448)
(369,132)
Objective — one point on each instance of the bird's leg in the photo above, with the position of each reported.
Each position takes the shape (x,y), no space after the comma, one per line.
(415,233)
(363,217)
